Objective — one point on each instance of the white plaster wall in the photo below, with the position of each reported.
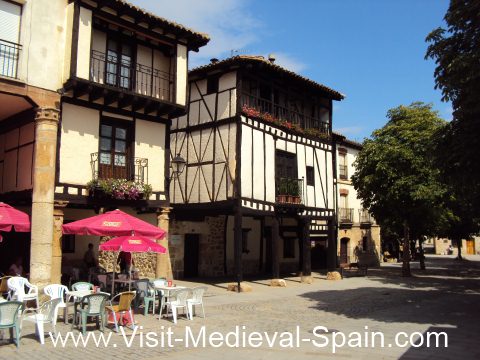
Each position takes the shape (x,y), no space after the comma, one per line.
(246,164)
(181,83)
(150,144)
(84,41)
(79,138)
(43,35)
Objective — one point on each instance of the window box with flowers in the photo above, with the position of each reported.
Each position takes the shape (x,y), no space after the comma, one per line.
(119,189)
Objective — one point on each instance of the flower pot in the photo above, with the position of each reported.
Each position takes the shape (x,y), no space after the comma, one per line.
(282,199)
(290,199)
(296,200)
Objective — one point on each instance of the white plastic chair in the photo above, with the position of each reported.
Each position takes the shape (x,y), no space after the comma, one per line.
(46,314)
(17,285)
(56,291)
(178,300)
(196,299)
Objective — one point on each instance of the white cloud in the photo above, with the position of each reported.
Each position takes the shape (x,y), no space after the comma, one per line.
(229,23)
(289,62)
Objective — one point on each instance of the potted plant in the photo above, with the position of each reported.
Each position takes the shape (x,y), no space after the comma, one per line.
(282,190)
(119,189)
(295,191)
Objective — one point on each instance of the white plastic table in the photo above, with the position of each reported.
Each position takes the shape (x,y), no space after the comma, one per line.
(166,293)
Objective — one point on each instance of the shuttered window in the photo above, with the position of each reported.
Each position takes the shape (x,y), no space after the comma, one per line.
(10,21)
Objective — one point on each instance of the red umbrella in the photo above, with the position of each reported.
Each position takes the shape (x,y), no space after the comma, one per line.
(13,218)
(113,223)
(132,244)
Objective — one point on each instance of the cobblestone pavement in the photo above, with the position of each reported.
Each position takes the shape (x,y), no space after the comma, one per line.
(444,298)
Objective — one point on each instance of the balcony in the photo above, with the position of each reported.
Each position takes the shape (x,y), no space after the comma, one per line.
(120,180)
(128,76)
(9,54)
(365,217)
(102,168)
(343,172)
(289,193)
(345,215)
(283,114)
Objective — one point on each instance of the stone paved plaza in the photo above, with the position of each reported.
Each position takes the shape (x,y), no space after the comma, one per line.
(444,298)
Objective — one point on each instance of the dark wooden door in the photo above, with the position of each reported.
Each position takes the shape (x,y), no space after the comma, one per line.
(114,155)
(191,254)
(344,250)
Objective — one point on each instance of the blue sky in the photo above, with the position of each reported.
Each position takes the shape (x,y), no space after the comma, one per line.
(370,50)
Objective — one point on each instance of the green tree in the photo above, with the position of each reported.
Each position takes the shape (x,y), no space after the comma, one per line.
(456,52)
(395,177)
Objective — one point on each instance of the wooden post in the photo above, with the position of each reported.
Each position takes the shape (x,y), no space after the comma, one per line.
(237,235)
(306,252)
(275,260)
(332,247)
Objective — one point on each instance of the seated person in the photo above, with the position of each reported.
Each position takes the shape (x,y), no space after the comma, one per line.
(16,269)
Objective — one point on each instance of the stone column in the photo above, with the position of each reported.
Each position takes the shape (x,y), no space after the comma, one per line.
(46,127)
(164,264)
(275,281)
(237,243)
(332,246)
(306,252)
(57,241)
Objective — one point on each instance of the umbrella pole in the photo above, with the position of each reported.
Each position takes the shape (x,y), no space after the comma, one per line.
(113,279)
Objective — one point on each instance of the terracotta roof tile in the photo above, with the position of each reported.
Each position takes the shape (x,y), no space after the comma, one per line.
(201,37)
(239,59)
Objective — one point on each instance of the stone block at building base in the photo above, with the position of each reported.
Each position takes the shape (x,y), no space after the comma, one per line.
(278,283)
(334,275)
(306,279)
(243,287)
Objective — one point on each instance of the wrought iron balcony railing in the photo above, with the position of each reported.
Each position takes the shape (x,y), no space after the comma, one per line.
(285,114)
(365,217)
(127,75)
(9,54)
(343,172)
(345,215)
(289,191)
(134,169)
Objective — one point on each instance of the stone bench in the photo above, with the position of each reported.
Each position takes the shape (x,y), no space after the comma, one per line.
(353,269)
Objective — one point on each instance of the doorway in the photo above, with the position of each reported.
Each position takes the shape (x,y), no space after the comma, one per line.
(344,259)
(191,255)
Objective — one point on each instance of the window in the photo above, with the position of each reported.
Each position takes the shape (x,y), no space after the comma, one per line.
(310,176)
(10,14)
(288,247)
(212,84)
(119,64)
(285,165)
(114,151)
(342,166)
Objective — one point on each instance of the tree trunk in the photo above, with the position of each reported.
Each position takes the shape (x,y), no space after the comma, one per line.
(459,247)
(406,251)
(421,254)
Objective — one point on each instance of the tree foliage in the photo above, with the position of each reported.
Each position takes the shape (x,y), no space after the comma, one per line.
(456,52)
(395,175)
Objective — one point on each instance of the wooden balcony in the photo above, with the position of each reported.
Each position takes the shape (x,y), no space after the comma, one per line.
(289,194)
